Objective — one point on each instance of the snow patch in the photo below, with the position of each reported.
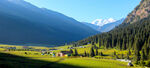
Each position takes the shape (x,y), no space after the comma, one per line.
(101,22)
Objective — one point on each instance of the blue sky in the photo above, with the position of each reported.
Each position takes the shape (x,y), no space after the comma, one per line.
(89,10)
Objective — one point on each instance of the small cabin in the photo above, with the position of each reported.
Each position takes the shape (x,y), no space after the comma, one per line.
(64,54)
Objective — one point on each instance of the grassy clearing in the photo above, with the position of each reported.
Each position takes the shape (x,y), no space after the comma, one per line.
(94,63)
(36,61)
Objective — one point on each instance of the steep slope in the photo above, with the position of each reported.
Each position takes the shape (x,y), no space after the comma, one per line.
(23,23)
(135,36)
(140,12)
(95,27)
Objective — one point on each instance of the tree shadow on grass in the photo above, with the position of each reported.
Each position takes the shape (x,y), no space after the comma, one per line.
(14,61)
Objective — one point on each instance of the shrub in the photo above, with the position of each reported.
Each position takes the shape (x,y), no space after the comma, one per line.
(147,63)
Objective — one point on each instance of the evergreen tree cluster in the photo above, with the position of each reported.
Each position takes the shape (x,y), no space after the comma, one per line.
(135,36)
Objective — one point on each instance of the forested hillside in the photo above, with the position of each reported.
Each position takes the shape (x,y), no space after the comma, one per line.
(133,34)
(134,37)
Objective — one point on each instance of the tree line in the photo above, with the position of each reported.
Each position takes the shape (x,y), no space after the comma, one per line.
(134,36)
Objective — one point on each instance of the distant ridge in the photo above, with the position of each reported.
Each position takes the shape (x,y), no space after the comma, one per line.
(24,23)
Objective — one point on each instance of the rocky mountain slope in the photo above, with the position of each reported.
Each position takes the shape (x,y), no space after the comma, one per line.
(140,12)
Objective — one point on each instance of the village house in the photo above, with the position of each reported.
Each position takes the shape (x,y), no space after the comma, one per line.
(64,54)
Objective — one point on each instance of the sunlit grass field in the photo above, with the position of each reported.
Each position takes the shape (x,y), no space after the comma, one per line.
(94,63)
(63,62)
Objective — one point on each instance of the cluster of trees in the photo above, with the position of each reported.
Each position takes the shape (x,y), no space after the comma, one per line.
(93,52)
(135,36)
(74,53)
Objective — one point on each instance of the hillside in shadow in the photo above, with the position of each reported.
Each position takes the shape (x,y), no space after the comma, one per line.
(13,61)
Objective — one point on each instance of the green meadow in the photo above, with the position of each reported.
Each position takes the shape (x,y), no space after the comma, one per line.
(34,59)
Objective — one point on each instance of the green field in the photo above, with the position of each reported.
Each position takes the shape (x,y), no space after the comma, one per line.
(39,62)
(18,59)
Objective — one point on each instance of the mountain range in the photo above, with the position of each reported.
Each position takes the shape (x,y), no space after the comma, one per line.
(104,25)
(101,22)
(24,23)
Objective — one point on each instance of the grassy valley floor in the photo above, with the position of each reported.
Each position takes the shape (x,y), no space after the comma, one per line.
(18,59)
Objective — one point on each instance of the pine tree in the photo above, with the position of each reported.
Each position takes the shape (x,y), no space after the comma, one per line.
(122,56)
(76,52)
(85,54)
(123,45)
(95,47)
(128,56)
(71,51)
(96,51)
(137,56)
(148,57)
(142,58)
(101,53)
(92,52)
(114,54)
(129,52)
(92,43)
(148,48)
(142,55)
(100,43)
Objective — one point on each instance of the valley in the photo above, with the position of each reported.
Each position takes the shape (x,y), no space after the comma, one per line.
(33,35)
(26,57)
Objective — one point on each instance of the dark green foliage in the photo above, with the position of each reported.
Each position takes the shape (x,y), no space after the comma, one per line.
(92,53)
(114,54)
(25,53)
(85,54)
(147,63)
(92,43)
(127,56)
(101,53)
(96,51)
(71,51)
(136,56)
(76,52)
(129,52)
(122,56)
(142,58)
(143,55)
(116,57)
(135,37)
(94,46)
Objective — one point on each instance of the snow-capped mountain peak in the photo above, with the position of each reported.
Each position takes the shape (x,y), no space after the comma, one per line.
(101,22)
